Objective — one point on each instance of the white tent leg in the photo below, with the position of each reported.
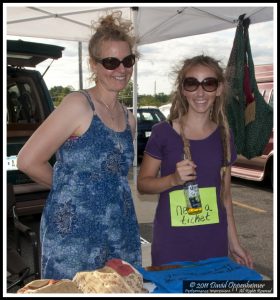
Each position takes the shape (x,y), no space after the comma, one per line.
(80,66)
(135,92)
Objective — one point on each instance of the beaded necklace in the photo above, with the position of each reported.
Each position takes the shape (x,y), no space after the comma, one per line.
(116,132)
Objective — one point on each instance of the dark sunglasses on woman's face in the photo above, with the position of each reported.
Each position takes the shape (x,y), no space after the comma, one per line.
(209,84)
(111,63)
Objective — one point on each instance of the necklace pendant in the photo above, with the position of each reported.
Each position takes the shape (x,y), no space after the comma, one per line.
(117,142)
(120,146)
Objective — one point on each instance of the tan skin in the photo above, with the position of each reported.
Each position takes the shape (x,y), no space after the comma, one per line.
(197,125)
(73,116)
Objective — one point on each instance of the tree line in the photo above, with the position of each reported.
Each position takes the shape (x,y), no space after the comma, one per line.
(125,96)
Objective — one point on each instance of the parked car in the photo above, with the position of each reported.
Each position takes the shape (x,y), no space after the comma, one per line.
(165,109)
(28,104)
(147,116)
(261,167)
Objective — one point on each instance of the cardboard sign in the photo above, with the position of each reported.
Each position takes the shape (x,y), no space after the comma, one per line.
(180,216)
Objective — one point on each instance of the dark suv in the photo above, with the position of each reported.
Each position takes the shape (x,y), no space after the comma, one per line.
(28,105)
(147,116)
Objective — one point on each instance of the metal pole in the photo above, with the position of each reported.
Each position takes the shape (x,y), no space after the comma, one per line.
(135,162)
(80,66)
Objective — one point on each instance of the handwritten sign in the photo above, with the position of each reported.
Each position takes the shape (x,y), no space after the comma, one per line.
(180,216)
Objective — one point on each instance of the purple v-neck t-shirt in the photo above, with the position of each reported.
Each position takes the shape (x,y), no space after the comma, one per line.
(188,243)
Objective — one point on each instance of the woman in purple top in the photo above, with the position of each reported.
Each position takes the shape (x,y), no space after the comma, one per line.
(196,144)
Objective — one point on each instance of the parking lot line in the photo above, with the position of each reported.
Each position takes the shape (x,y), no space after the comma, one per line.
(249,207)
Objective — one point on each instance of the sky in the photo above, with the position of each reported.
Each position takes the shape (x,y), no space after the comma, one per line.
(156,63)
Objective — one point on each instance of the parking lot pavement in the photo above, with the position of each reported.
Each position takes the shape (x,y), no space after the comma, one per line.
(145,205)
(146,252)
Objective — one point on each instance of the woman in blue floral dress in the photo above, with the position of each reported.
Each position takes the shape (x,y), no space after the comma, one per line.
(89,216)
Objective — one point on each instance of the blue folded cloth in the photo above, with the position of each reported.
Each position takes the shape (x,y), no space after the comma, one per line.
(218,268)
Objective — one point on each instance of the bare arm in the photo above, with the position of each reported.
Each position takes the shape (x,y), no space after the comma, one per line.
(241,255)
(148,181)
(63,122)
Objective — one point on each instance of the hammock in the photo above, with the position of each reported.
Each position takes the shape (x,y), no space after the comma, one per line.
(249,116)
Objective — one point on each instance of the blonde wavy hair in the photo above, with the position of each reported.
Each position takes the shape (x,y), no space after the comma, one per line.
(110,28)
(180,107)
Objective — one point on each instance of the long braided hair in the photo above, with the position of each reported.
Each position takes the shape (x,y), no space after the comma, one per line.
(180,107)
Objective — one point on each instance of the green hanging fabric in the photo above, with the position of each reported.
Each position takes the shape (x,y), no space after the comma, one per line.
(249,116)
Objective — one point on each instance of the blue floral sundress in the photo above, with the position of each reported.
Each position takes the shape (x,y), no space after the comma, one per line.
(89,216)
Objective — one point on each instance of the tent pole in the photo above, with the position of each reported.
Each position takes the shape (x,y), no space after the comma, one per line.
(135,92)
(135,112)
(80,66)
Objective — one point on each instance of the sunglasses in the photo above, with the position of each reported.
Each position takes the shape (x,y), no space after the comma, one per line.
(209,84)
(111,63)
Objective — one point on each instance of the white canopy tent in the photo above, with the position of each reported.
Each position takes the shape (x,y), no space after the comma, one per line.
(151,23)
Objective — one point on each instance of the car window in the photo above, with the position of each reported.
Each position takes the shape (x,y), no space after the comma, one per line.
(152,115)
(147,116)
(158,116)
(22,107)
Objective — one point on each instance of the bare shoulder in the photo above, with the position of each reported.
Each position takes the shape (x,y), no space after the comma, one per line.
(131,121)
(131,117)
(74,101)
(75,98)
